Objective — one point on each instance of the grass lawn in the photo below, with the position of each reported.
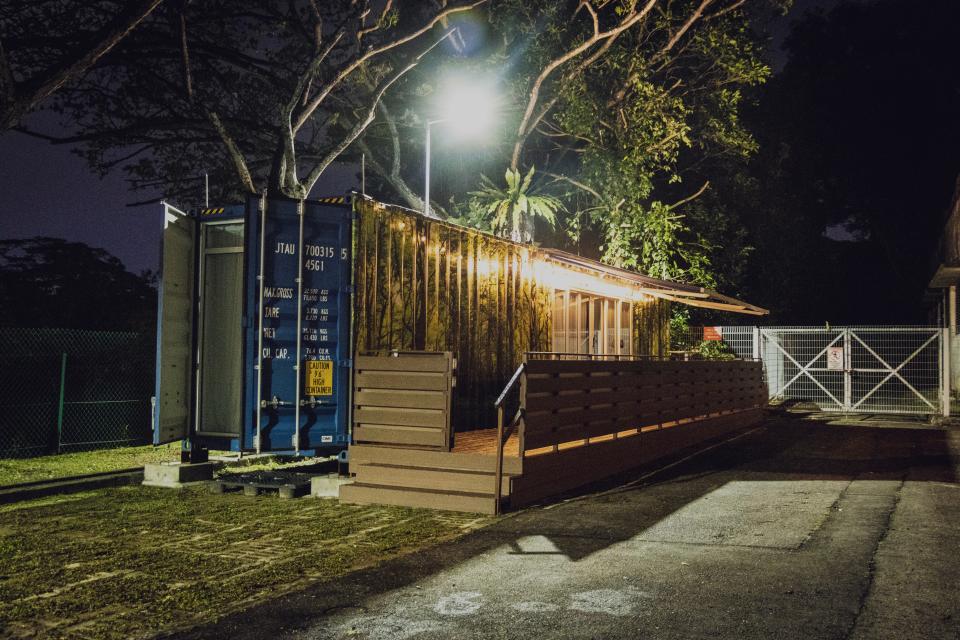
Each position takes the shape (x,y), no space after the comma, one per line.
(134,561)
(17,470)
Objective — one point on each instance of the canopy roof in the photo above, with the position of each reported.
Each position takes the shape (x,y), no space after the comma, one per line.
(687,294)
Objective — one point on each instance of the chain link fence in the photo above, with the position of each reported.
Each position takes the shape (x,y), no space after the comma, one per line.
(714,342)
(70,390)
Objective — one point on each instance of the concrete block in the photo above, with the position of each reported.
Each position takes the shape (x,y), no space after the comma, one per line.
(176,475)
(328,486)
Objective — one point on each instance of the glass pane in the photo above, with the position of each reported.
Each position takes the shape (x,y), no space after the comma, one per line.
(559,330)
(583,331)
(626,341)
(572,323)
(221,236)
(596,341)
(221,365)
(610,327)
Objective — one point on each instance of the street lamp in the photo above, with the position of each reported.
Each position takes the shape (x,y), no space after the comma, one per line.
(469,109)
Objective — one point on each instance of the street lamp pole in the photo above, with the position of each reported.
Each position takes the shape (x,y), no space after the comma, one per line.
(426,179)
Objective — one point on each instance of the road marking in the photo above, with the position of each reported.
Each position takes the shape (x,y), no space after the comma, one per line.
(608,601)
(534,607)
(464,603)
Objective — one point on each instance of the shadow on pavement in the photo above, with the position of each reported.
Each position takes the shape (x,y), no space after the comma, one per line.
(787,459)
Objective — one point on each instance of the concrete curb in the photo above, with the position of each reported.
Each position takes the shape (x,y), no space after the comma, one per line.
(75,484)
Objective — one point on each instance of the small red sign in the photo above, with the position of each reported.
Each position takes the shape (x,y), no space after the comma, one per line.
(712,333)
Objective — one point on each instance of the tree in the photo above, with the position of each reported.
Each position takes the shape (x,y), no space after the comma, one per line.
(858,136)
(506,209)
(50,282)
(36,62)
(620,106)
(269,94)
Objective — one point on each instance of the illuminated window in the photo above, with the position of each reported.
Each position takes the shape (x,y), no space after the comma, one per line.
(590,324)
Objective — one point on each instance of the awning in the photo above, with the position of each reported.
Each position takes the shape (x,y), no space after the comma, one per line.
(688,294)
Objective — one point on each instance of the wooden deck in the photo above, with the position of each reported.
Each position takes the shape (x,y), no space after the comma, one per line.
(583,422)
(484,442)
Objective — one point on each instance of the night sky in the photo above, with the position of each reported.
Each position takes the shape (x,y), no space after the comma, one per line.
(46,190)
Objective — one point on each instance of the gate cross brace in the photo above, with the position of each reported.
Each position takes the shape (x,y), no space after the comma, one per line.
(805,369)
(895,372)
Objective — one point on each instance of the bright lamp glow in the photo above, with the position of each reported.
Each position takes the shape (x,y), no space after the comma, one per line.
(468,107)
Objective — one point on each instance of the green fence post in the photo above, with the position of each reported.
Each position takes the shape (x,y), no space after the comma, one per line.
(63,380)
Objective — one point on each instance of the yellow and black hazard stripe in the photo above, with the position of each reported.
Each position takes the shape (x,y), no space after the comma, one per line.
(333,200)
(212,211)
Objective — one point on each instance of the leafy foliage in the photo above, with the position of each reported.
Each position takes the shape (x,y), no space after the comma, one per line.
(507,210)
(258,95)
(715,350)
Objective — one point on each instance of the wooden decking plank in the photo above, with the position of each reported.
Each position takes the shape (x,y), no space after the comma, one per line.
(383,434)
(377,454)
(436,479)
(392,380)
(373,494)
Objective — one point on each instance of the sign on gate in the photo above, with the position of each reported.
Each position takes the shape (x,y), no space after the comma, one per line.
(835,359)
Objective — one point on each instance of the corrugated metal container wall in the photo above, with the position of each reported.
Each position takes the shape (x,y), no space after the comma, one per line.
(651,327)
(428,285)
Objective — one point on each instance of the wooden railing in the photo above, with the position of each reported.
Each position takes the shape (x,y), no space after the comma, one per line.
(403,399)
(566,401)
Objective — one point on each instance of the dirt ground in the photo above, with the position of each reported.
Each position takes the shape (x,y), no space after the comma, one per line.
(135,561)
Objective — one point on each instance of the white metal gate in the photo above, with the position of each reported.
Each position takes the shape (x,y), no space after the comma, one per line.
(855,369)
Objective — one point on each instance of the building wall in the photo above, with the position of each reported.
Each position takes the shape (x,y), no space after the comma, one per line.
(651,327)
(427,285)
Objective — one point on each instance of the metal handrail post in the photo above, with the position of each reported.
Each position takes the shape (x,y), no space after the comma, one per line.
(60,402)
(498,476)
(501,428)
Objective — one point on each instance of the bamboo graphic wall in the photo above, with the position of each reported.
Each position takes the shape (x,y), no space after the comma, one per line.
(424,284)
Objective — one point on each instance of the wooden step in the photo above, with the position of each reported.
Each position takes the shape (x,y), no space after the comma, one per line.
(426,478)
(361,454)
(359,493)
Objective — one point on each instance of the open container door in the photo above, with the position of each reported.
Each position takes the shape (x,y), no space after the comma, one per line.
(174,373)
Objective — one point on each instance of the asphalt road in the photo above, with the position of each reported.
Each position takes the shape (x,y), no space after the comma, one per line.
(794,530)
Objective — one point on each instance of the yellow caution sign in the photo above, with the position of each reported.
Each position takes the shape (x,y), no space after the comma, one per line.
(318,380)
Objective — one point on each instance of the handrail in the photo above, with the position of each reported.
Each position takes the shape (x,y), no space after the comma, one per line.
(610,357)
(506,389)
(501,428)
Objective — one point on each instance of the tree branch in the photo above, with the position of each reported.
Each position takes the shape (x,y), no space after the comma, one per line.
(7,84)
(233,151)
(736,5)
(361,126)
(527,122)
(185,53)
(74,64)
(577,184)
(325,91)
(287,171)
(697,13)
(380,20)
(689,198)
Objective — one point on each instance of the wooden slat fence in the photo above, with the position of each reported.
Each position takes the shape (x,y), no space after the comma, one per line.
(588,420)
(567,401)
(403,400)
